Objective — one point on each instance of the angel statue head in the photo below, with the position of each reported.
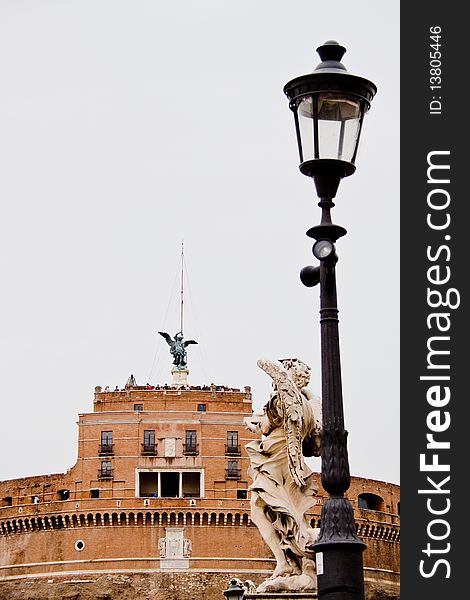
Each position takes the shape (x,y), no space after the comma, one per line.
(298,370)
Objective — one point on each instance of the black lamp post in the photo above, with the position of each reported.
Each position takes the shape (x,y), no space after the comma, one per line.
(329,106)
(235,591)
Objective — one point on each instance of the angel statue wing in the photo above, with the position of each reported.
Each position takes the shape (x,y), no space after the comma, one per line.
(291,412)
(187,342)
(167,337)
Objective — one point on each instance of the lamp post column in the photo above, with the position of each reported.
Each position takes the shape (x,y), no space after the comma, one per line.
(339,550)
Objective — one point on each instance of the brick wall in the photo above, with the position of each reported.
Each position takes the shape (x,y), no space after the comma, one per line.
(52,524)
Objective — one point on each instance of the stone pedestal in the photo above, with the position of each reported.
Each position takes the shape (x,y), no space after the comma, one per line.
(280,596)
(180,376)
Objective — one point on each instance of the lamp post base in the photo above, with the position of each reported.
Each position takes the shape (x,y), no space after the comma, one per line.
(280,596)
(338,553)
(340,573)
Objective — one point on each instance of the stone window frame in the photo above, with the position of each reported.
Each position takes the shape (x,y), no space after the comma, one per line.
(176,470)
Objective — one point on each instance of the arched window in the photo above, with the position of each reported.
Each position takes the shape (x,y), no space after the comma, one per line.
(63,494)
(370,502)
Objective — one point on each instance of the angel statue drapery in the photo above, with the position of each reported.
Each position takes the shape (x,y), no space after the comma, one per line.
(177,348)
(282,487)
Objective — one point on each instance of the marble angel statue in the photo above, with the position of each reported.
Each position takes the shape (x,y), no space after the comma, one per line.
(283,487)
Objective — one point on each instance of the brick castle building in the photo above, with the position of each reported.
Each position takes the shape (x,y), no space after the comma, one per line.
(159,493)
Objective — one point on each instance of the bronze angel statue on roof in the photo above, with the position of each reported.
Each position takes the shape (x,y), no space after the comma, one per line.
(283,487)
(177,348)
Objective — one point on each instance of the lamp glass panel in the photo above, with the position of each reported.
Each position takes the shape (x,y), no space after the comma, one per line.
(305,114)
(339,122)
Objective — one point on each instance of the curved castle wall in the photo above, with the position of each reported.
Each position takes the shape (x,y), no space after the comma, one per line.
(90,522)
(123,535)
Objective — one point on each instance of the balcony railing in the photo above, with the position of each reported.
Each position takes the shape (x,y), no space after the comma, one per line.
(106,449)
(105,473)
(190,449)
(232,449)
(149,449)
(232,473)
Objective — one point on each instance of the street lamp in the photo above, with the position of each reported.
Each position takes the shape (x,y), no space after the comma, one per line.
(329,107)
(235,590)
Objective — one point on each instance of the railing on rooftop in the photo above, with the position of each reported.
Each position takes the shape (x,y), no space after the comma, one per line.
(160,388)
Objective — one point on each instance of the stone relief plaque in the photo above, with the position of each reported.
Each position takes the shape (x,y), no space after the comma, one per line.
(170,447)
(174,549)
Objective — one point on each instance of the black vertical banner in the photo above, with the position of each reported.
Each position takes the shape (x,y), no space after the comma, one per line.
(435,254)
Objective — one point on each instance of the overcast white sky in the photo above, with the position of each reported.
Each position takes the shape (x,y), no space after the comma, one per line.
(127,126)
